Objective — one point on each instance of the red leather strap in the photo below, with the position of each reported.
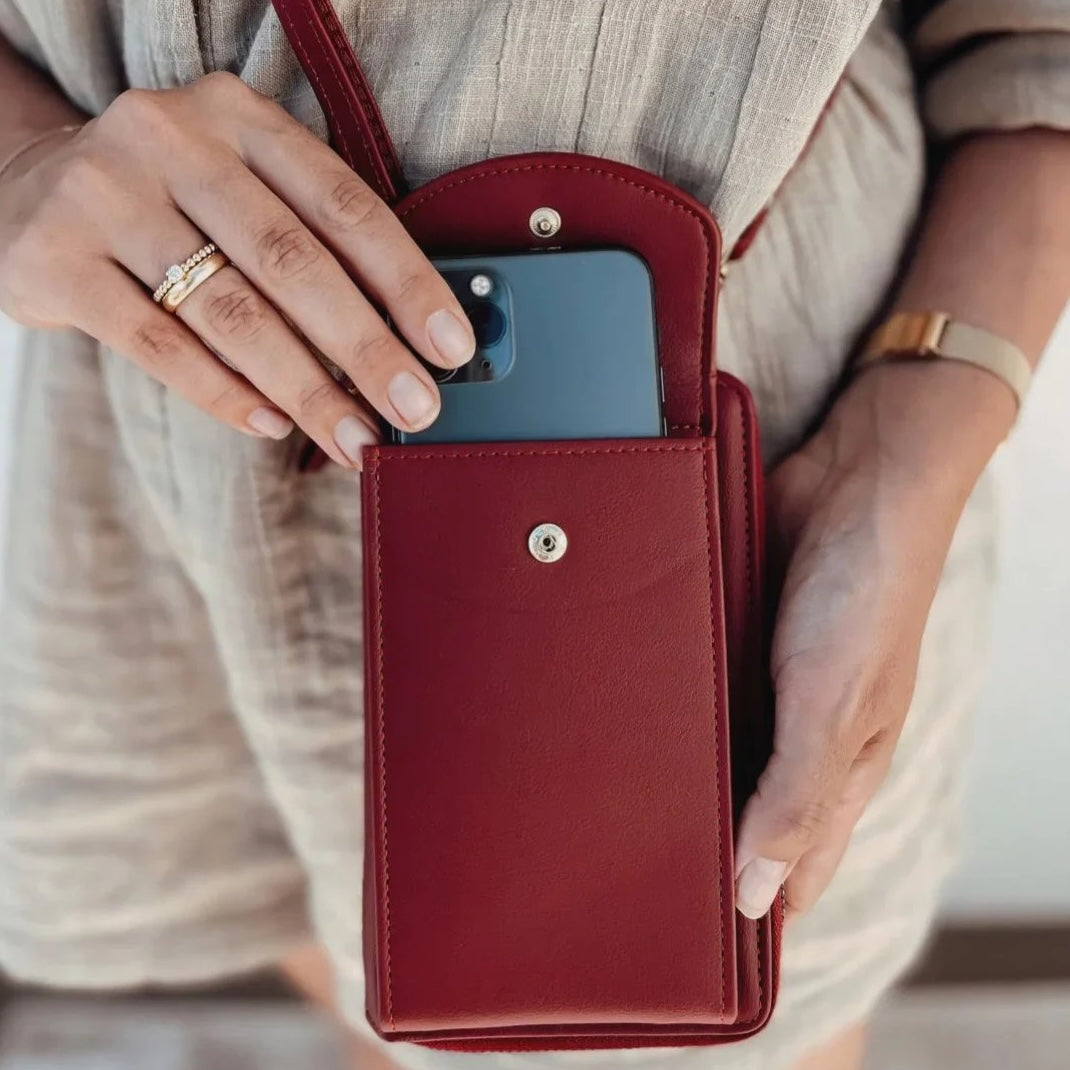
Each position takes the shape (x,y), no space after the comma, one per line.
(356,124)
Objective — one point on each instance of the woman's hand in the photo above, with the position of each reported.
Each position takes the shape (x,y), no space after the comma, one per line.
(90,222)
(866,510)
(864,514)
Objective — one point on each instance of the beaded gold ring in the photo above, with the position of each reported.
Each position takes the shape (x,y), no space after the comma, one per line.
(177,273)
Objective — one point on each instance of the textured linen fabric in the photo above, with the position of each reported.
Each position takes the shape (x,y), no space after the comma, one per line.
(180,652)
(992,65)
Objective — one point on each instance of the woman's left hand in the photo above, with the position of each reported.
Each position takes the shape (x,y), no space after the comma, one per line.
(864,514)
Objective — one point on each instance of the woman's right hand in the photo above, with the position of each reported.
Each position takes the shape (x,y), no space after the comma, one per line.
(90,222)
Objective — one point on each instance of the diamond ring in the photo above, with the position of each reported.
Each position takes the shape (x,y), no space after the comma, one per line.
(177,273)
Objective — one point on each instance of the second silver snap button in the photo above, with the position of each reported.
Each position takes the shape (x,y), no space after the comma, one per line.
(547,543)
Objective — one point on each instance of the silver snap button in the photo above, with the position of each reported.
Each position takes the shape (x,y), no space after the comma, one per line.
(547,543)
(545,222)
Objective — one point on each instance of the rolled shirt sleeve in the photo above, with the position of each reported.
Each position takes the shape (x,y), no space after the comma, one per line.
(992,64)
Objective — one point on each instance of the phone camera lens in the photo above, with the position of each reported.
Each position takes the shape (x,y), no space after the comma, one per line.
(488,323)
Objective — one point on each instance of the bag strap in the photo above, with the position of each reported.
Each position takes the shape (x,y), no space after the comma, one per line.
(358,132)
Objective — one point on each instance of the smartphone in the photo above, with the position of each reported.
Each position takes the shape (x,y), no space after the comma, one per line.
(566,348)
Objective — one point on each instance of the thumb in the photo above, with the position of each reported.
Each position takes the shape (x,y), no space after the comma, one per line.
(785,818)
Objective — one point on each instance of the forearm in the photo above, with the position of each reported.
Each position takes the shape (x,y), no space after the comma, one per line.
(993,251)
(864,512)
(32,103)
(995,247)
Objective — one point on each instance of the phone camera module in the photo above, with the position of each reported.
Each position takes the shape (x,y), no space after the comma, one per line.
(488,322)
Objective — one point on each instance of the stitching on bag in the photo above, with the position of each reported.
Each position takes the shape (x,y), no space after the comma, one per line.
(382,739)
(707,327)
(367,101)
(706,464)
(327,16)
(312,71)
(336,126)
(408,454)
(420,200)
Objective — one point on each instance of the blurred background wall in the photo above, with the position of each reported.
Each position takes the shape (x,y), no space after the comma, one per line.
(1016,866)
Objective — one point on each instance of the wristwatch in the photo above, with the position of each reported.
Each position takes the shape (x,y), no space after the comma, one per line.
(935,335)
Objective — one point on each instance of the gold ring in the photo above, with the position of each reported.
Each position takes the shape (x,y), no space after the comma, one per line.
(177,272)
(193,278)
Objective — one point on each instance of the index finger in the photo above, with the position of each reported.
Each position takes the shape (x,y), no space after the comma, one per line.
(363,232)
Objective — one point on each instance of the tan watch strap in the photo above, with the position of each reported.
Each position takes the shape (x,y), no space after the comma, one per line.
(933,335)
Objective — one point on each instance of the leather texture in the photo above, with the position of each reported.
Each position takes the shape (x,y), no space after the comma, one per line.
(556,753)
(533,861)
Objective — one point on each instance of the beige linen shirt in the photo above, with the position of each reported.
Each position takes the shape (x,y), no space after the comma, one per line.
(720,94)
(180,683)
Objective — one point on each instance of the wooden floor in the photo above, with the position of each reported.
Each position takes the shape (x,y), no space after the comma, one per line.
(924,1029)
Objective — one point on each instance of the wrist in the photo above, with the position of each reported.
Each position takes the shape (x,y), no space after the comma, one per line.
(930,427)
(18,154)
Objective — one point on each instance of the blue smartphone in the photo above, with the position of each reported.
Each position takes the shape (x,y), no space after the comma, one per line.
(566,348)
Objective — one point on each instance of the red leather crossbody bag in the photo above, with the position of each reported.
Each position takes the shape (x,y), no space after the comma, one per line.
(556,753)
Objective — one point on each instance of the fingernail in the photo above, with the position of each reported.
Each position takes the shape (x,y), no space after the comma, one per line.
(758,885)
(351,436)
(269,422)
(415,404)
(454,340)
